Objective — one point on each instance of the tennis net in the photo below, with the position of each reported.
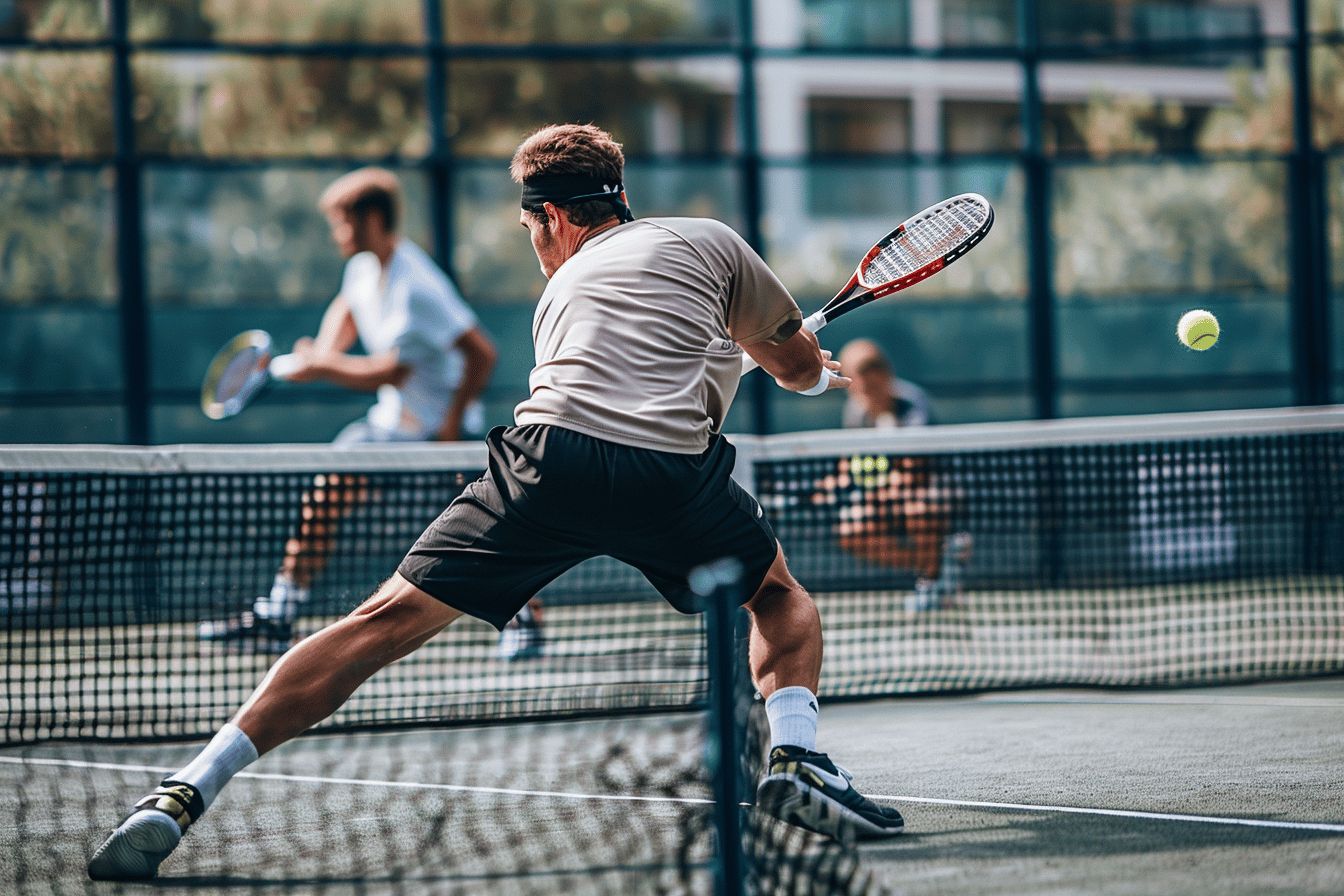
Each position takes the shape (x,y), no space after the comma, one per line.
(1127,552)
(1144,551)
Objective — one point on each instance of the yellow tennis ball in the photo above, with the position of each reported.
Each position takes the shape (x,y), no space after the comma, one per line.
(1197,329)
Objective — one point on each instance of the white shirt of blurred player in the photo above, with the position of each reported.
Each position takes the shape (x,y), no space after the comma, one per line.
(414,308)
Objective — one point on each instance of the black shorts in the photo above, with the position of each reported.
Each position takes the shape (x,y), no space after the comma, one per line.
(552,497)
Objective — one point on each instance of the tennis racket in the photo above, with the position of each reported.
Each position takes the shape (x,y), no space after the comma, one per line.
(921,247)
(239,371)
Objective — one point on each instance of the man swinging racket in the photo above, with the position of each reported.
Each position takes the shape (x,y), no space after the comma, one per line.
(639,336)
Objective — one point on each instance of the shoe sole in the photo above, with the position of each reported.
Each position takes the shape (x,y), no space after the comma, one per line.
(798,803)
(137,848)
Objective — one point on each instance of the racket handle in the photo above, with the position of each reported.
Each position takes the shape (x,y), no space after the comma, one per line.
(811,324)
(282,367)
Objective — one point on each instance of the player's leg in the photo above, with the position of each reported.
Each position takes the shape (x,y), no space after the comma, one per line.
(301,689)
(930,511)
(267,627)
(481,557)
(801,785)
(702,515)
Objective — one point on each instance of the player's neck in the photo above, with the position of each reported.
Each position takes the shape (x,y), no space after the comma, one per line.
(384,249)
(594,231)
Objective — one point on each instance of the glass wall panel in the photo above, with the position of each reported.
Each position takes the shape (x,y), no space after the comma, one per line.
(1133,250)
(55,350)
(241,106)
(1142,229)
(636,22)
(91,423)
(1335,212)
(1114,21)
(990,23)
(53,19)
(55,103)
(57,237)
(1171,104)
(653,106)
(1326,15)
(846,125)
(1327,80)
(978,126)
(856,23)
(821,219)
(1175,397)
(278,21)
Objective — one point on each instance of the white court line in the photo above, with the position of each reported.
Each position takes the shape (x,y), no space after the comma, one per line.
(1123,813)
(366,782)
(464,788)
(1164,700)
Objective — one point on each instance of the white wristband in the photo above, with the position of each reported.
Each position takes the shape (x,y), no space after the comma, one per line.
(822,384)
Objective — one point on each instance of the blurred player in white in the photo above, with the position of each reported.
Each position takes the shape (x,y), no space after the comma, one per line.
(427,360)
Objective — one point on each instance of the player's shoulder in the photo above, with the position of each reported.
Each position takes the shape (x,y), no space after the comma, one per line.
(696,228)
(414,266)
(361,264)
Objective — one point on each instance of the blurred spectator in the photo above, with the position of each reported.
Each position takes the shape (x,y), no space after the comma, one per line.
(878,398)
(897,512)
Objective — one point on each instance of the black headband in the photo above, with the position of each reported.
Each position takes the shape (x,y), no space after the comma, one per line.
(567,189)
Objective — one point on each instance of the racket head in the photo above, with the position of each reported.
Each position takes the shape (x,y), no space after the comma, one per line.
(927,242)
(236,374)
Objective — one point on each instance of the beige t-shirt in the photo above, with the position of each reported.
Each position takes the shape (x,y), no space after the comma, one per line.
(637,334)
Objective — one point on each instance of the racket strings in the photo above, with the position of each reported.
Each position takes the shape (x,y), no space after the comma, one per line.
(930,238)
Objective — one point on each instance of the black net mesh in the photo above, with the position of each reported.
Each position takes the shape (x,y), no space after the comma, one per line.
(953,559)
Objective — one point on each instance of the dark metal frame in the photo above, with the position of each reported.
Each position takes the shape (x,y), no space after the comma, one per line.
(1309,292)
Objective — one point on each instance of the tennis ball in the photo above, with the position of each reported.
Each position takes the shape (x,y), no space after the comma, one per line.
(1197,329)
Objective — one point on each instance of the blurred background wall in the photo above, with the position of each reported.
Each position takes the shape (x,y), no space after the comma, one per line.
(160,161)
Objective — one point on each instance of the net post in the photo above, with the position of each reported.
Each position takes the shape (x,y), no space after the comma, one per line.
(718,585)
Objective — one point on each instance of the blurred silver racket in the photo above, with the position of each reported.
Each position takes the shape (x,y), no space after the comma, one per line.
(239,371)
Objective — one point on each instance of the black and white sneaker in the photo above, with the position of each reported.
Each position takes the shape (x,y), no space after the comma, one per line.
(155,826)
(521,639)
(249,632)
(809,790)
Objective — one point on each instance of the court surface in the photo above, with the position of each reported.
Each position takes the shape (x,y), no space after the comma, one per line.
(1214,790)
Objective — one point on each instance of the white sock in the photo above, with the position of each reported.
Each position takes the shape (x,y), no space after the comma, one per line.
(226,755)
(282,604)
(793,718)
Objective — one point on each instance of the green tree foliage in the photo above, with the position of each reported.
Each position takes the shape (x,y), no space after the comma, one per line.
(1199,228)
(55,103)
(57,244)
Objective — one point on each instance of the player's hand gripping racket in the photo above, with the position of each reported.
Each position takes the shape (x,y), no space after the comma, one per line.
(239,371)
(910,254)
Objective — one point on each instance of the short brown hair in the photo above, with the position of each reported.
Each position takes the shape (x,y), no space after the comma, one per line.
(365,190)
(572,149)
(862,355)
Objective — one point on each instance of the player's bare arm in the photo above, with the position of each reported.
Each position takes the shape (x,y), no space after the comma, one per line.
(797,362)
(337,332)
(363,373)
(480,356)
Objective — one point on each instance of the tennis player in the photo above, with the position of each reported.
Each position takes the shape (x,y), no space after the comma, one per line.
(427,361)
(901,516)
(616,451)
